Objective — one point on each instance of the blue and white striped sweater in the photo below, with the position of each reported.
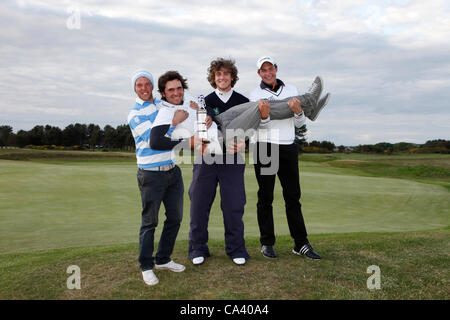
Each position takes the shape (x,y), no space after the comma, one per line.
(140,120)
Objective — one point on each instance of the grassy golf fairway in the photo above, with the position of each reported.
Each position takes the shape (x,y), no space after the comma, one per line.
(60,208)
(84,203)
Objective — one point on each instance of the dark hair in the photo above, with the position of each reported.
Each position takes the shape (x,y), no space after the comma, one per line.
(169,76)
(222,63)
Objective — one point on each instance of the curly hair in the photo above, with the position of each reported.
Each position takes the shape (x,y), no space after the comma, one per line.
(169,76)
(222,63)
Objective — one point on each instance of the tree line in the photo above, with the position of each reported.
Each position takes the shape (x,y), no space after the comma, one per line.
(431,146)
(77,135)
(91,136)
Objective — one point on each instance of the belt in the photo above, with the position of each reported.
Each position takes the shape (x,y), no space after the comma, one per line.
(166,167)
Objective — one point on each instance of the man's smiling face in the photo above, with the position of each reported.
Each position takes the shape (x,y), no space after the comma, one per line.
(268,73)
(143,88)
(223,78)
(173,92)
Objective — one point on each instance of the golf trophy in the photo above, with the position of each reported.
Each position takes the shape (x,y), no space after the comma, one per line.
(201,120)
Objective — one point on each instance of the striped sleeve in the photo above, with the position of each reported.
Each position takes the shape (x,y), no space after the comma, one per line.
(141,120)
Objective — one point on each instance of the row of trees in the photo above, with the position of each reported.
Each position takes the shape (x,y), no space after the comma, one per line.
(87,136)
(320,147)
(431,146)
(92,137)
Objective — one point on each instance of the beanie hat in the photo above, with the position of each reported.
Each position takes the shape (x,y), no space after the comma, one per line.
(141,73)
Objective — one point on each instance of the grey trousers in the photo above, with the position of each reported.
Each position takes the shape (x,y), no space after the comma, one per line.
(246,115)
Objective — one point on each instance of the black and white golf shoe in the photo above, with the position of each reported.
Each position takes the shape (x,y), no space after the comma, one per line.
(307,251)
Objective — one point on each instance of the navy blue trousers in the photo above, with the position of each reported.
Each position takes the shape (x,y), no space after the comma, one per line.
(202,192)
(159,187)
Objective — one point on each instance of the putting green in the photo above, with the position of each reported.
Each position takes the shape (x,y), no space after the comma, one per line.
(45,206)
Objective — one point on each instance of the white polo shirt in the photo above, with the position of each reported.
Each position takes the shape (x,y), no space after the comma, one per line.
(188,127)
(277,131)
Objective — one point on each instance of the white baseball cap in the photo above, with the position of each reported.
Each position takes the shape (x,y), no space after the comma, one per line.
(263,59)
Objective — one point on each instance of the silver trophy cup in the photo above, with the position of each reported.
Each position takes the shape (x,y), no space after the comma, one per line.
(201,120)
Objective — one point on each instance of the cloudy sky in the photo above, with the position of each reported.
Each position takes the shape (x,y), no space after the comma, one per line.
(386,63)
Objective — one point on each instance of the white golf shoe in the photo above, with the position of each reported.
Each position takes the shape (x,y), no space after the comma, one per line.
(171,265)
(239,261)
(149,277)
(198,260)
